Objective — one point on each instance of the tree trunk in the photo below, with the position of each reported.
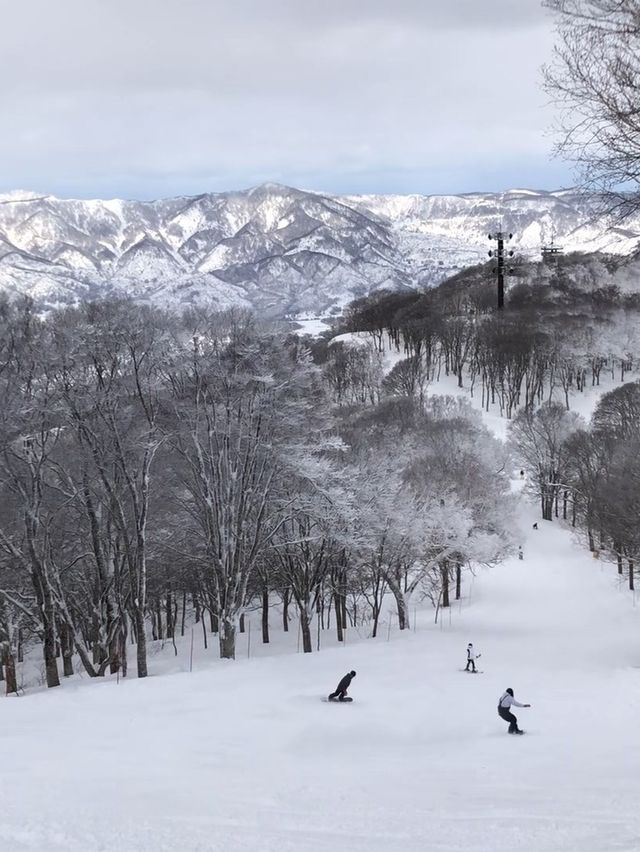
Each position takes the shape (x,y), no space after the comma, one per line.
(305,628)
(338,607)
(95,636)
(458,580)
(227,639)
(50,661)
(376,619)
(123,652)
(265,614)
(159,617)
(169,616)
(184,612)
(242,624)
(141,640)
(402,605)
(154,625)
(49,638)
(285,611)
(631,578)
(10,671)
(67,651)
(114,652)
(444,573)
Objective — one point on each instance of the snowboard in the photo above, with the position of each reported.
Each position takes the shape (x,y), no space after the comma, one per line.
(516,733)
(337,701)
(468,671)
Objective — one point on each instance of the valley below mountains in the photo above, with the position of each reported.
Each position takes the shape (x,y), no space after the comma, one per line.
(283,252)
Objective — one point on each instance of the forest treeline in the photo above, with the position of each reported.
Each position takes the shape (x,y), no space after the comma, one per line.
(562,329)
(157,470)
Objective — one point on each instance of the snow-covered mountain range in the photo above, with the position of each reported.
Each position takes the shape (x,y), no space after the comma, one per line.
(280,250)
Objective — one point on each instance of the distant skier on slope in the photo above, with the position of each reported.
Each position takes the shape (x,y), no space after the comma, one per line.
(504,710)
(471,658)
(343,686)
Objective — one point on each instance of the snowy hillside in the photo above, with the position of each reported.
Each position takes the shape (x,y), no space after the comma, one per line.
(280,250)
(244,756)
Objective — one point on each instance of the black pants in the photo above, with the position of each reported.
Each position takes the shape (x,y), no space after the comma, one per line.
(508,716)
(341,695)
(471,663)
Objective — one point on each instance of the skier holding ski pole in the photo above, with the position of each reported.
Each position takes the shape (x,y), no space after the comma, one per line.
(471,658)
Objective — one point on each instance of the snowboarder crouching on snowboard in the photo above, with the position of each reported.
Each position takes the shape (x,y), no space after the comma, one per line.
(343,686)
(504,710)
(471,658)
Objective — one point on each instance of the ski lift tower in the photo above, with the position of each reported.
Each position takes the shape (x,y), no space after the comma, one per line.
(549,250)
(499,254)
(551,253)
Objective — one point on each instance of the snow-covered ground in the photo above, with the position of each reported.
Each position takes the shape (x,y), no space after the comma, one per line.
(245,755)
(310,325)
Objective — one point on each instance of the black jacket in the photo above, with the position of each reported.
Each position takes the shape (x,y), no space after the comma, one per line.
(345,683)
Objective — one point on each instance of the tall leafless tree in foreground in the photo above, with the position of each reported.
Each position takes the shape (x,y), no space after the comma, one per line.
(595,78)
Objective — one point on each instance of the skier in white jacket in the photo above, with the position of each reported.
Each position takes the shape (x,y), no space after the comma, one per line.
(471,658)
(507,701)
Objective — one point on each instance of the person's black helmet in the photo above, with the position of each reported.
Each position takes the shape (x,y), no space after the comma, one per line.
(353,674)
(510,691)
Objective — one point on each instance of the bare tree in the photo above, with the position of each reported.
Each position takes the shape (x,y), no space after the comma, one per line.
(244,406)
(539,439)
(111,388)
(595,77)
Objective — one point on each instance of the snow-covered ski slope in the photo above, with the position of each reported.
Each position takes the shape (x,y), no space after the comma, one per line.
(246,756)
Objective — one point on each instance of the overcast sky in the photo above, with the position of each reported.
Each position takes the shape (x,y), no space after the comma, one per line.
(148,98)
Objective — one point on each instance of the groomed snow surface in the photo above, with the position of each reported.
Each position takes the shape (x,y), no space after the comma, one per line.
(246,756)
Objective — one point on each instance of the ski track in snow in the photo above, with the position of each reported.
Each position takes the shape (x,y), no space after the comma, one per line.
(245,756)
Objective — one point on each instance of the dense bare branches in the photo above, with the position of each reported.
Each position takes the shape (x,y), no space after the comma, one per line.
(155,467)
(595,78)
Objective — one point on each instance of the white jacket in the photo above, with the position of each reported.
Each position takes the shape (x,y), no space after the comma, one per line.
(471,654)
(507,700)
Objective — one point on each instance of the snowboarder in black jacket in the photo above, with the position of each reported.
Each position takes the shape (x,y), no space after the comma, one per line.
(343,686)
